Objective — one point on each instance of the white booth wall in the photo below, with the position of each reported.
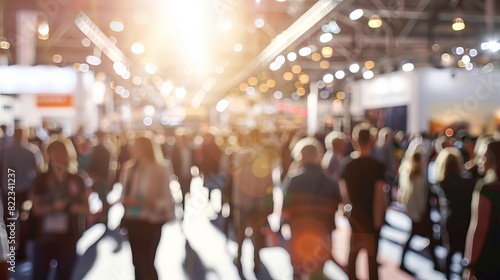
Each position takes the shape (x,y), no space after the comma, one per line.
(430,94)
(28,82)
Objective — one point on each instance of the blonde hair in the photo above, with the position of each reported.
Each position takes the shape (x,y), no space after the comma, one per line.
(449,161)
(58,141)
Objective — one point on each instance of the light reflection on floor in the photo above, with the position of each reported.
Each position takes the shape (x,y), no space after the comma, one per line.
(195,248)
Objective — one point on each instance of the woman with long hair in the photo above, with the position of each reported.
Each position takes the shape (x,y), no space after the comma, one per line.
(414,194)
(60,206)
(457,188)
(148,203)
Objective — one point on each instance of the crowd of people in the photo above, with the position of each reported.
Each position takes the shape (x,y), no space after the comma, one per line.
(358,175)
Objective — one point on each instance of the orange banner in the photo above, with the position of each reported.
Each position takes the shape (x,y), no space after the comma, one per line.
(55,100)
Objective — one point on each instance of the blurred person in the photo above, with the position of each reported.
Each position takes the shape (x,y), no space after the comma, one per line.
(101,169)
(286,159)
(472,166)
(362,188)
(482,250)
(183,158)
(209,162)
(60,207)
(123,154)
(26,160)
(384,151)
(148,203)
(6,139)
(414,194)
(335,145)
(457,187)
(310,204)
(252,191)
(295,153)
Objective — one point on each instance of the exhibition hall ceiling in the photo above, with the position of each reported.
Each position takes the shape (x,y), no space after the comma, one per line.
(199,51)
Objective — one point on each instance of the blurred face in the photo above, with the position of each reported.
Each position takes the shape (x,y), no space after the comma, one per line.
(59,157)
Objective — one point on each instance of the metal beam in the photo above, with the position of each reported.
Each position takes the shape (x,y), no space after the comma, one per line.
(293,35)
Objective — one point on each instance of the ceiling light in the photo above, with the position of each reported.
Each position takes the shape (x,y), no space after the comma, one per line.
(137,80)
(43,28)
(356,14)
(324,64)
(291,56)
(219,69)
(354,68)
(151,68)
(238,47)
(334,27)
(469,66)
(222,105)
(137,48)
(259,23)
(126,75)
(408,67)
(57,58)
(458,24)
(84,67)
(250,90)
(369,64)
(278,94)
(287,76)
(466,59)
(324,94)
(86,42)
(305,51)
(328,78)
(459,50)
(304,79)
(93,60)
(147,121)
(340,74)
(117,25)
(368,74)
(253,81)
(316,57)
(473,52)
(296,69)
(327,52)
(325,37)
(274,66)
(375,22)
(493,46)
(263,88)
(280,59)
(271,83)
(445,57)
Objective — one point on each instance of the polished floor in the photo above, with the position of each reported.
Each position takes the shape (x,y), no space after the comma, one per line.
(196,248)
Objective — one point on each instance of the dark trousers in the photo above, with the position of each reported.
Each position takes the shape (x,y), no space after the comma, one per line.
(254,219)
(144,238)
(64,252)
(369,242)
